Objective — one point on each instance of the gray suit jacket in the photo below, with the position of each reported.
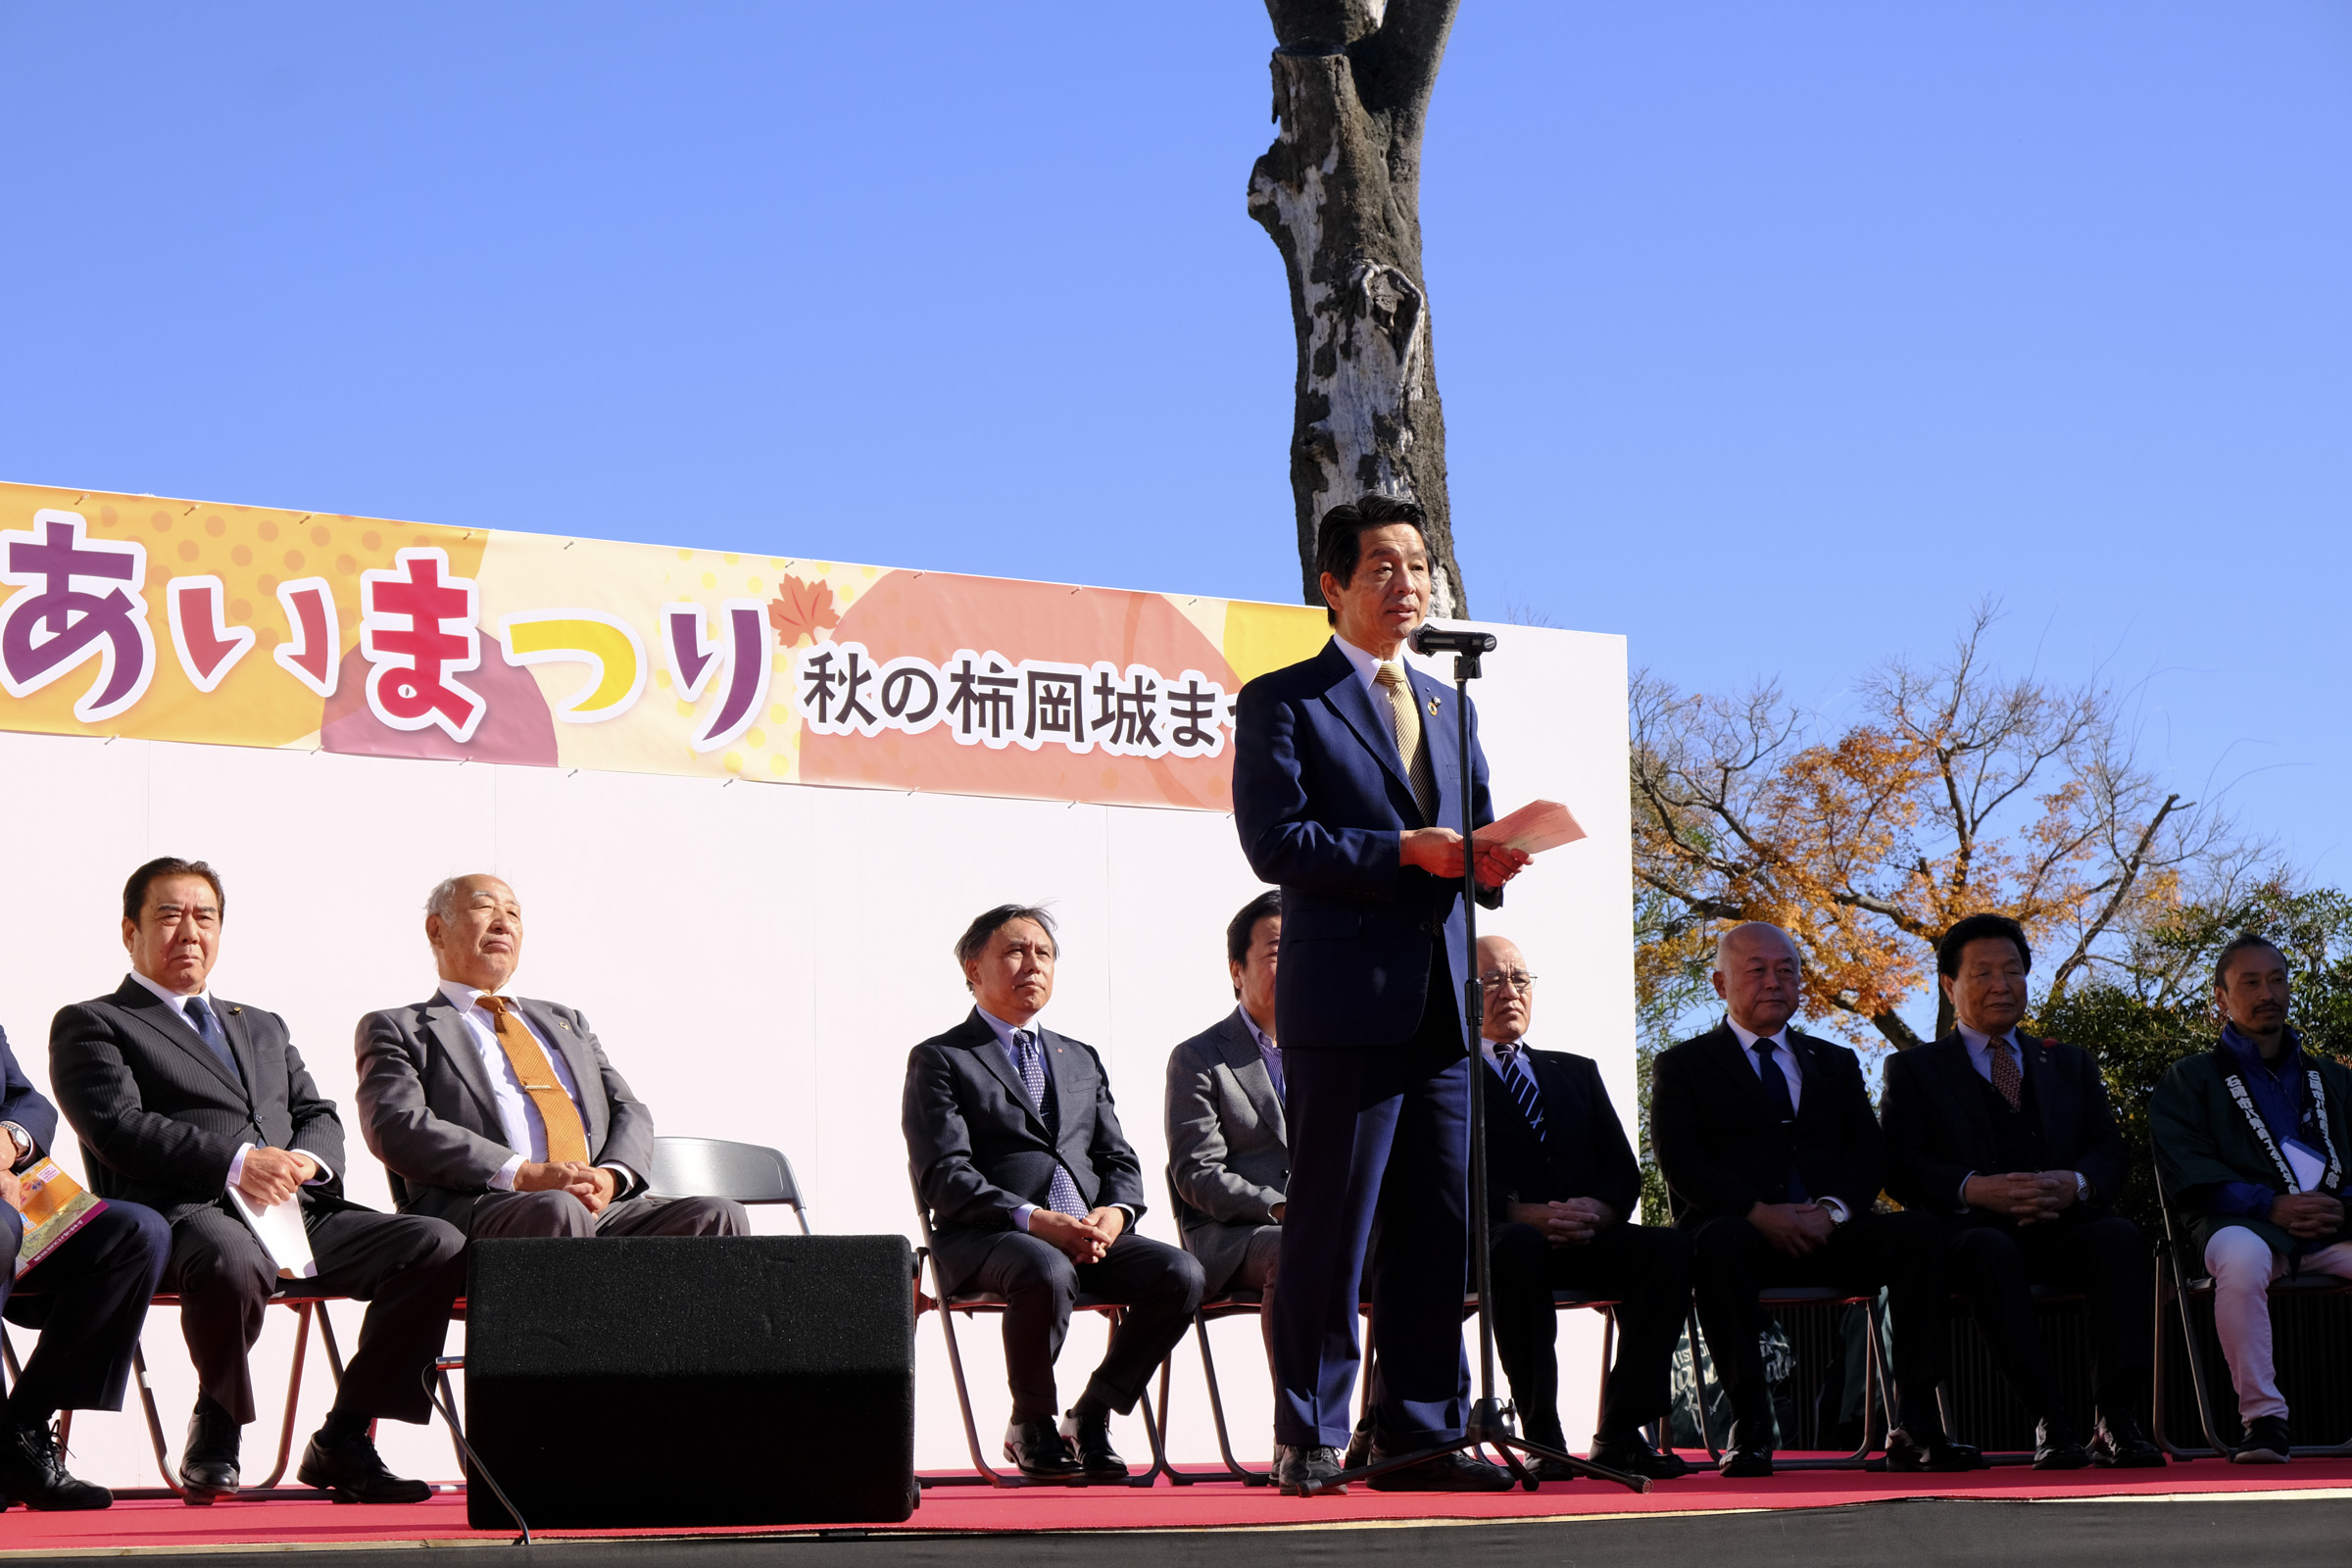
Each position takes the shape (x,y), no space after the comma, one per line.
(428,1110)
(1229,1157)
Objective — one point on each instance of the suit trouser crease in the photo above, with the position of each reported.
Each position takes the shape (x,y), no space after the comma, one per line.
(1159,1287)
(2243,1268)
(89,1297)
(1994,1266)
(1647,1270)
(1905,1251)
(1377,1134)
(408,1268)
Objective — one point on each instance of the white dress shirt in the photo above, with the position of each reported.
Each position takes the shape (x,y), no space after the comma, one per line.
(1979,1057)
(1517,1066)
(178,1004)
(1003,1032)
(1367,665)
(525,1129)
(1790,1069)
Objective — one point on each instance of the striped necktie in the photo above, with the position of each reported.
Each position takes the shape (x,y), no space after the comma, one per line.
(1062,1197)
(1404,718)
(208,1029)
(1513,1070)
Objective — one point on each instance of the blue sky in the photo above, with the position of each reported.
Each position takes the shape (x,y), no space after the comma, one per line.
(1772,336)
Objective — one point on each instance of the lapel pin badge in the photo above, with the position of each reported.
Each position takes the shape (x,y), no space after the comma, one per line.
(1433,707)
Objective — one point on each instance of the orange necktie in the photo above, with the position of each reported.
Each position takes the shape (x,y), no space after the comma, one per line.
(566,1139)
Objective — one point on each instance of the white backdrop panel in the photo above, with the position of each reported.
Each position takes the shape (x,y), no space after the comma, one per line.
(758,959)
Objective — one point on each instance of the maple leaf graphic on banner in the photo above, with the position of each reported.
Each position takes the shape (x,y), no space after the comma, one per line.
(802,610)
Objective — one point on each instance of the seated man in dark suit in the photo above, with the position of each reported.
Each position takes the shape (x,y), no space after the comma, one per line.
(89,1297)
(203,1111)
(2252,1140)
(1228,1156)
(1773,1161)
(1561,1180)
(1033,1195)
(501,1114)
(2010,1140)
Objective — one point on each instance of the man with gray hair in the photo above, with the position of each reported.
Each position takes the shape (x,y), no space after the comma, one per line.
(1773,1161)
(502,1114)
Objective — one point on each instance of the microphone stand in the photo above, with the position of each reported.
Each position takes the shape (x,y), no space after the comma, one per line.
(1485,1424)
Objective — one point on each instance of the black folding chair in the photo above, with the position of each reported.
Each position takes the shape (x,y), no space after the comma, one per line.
(1874,1418)
(2177,1289)
(971,1303)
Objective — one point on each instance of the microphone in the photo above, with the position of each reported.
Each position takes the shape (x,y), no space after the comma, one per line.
(1429,641)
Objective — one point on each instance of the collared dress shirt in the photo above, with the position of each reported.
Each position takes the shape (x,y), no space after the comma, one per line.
(1267,1051)
(517,1117)
(1793,1070)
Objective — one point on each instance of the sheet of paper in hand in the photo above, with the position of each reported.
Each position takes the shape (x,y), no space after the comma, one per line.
(279,1226)
(1535,827)
(54,1206)
(2306,1163)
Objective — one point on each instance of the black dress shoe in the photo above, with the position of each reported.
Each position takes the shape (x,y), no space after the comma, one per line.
(1039,1451)
(2055,1447)
(1359,1444)
(2266,1443)
(355,1473)
(2121,1442)
(1635,1458)
(34,1471)
(1745,1464)
(208,1467)
(1089,1435)
(1548,1469)
(1447,1472)
(1295,1466)
(1905,1452)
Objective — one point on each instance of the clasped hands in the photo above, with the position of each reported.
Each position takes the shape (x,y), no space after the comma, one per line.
(2028,1197)
(1566,1222)
(593,1185)
(1438,852)
(273,1175)
(1085,1241)
(2307,1216)
(1796,1229)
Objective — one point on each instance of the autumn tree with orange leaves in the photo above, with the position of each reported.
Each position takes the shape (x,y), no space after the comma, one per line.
(1955,789)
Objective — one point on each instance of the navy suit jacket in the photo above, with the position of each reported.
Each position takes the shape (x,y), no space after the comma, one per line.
(1319,796)
(1721,1149)
(1583,1151)
(1938,1131)
(978,1150)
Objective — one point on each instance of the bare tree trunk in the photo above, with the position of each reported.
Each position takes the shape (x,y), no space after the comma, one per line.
(1340,191)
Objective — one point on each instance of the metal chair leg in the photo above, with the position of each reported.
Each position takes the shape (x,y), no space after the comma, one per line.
(155,1422)
(964,1397)
(2215,1447)
(1699,1390)
(1216,1410)
(449,1403)
(285,1431)
(1608,1357)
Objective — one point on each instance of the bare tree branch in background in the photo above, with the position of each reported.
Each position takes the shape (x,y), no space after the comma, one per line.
(1957,790)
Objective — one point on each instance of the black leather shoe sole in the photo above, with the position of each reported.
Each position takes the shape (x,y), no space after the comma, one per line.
(198,1493)
(2074,1456)
(389,1489)
(1434,1476)
(1920,1461)
(1745,1464)
(2150,1457)
(1652,1463)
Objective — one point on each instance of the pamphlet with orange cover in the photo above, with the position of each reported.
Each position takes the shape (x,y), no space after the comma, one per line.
(54,1206)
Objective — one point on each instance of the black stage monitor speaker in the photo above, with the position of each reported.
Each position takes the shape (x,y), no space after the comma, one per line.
(679,1381)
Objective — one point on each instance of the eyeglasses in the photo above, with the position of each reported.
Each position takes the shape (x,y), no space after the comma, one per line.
(1518,980)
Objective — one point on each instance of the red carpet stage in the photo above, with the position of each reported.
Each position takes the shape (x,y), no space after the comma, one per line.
(2183,1514)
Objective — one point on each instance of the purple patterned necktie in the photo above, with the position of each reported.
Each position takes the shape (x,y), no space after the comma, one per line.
(1062,1197)
(2004,1072)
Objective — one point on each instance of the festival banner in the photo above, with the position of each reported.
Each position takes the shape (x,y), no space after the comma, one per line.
(181,620)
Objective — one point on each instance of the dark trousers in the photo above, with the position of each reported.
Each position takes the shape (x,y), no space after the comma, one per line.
(408,1269)
(1377,1132)
(1159,1285)
(89,1297)
(561,1214)
(1645,1269)
(2100,1255)
(1905,1252)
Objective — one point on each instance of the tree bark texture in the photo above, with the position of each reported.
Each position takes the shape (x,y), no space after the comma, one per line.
(1340,192)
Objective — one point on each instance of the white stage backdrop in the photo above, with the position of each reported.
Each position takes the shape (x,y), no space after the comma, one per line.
(758,959)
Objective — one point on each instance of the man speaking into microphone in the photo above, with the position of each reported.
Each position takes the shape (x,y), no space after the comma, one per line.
(1346,769)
